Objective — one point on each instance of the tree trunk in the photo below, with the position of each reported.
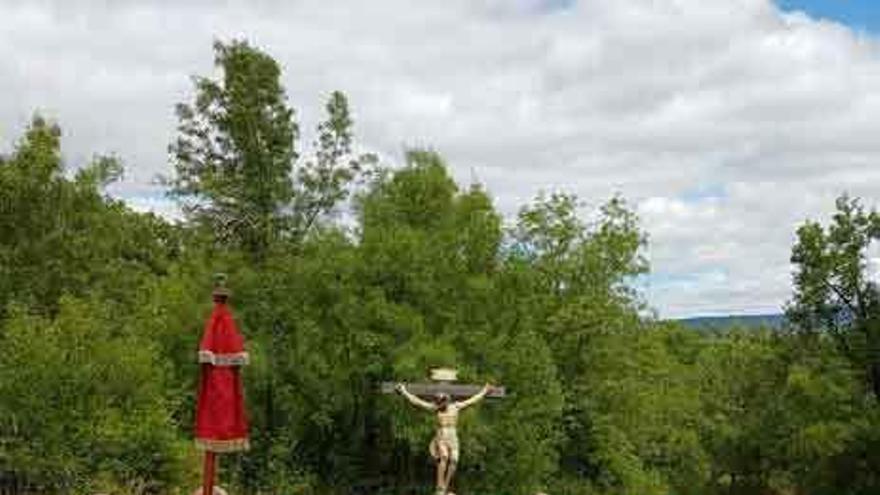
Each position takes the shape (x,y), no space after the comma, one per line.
(874,373)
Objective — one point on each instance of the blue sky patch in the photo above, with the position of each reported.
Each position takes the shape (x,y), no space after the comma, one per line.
(861,15)
(704,192)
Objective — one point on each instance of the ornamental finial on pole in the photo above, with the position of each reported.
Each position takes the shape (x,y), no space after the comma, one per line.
(221,292)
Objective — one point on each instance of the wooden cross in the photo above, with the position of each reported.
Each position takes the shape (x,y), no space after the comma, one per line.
(443,385)
(454,390)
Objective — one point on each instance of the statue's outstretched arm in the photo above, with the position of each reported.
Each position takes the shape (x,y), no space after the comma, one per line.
(474,398)
(414,399)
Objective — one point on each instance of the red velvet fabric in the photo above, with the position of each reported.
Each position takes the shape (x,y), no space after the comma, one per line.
(221,423)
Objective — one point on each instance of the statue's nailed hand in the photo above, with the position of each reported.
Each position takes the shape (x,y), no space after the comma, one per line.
(399,388)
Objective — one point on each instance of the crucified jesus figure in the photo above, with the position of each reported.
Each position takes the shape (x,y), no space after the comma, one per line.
(444,446)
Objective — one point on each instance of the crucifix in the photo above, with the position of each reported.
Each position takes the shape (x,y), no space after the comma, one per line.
(444,394)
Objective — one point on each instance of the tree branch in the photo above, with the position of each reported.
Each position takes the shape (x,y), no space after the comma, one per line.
(843,298)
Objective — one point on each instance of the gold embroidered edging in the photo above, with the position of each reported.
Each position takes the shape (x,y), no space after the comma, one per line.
(237,359)
(231,445)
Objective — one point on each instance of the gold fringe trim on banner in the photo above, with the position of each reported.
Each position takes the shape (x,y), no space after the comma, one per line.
(221,446)
(236,359)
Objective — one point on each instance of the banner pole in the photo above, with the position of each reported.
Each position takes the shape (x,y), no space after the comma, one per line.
(208,479)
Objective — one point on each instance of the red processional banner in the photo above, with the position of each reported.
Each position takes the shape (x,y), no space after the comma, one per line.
(221,423)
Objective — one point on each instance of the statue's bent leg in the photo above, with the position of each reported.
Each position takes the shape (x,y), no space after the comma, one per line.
(452,462)
(442,467)
(450,472)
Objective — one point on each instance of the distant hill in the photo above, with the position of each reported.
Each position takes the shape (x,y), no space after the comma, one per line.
(741,321)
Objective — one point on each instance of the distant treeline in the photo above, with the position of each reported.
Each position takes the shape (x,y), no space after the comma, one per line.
(714,323)
(101,309)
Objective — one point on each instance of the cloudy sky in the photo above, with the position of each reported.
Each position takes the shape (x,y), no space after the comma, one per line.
(725,123)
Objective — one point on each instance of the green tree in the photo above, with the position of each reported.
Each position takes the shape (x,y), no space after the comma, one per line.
(324,181)
(235,150)
(778,416)
(236,164)
(574,280)
(833,292)
(61,235)
(631,403)
(573,259)
(84,404)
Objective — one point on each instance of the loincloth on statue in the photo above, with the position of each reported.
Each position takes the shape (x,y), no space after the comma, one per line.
(445,438)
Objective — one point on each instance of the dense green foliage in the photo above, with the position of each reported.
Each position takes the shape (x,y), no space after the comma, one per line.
(102,308)
(833,292)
